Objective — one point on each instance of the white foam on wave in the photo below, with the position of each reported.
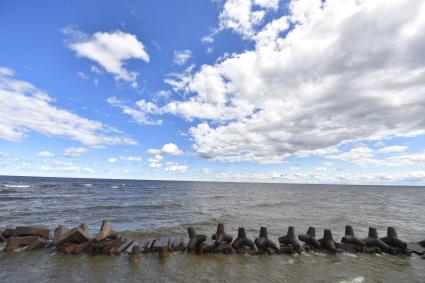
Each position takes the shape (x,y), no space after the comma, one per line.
(358,279)
(349,254)
(16,186)
(87,185)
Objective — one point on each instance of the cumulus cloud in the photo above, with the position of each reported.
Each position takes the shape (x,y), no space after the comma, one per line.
(26,108)
(181,57)
(326,74)
(112,160)
(74,151)
(153,151)
(45,153)
(243,16)
(171,149)
(110,50)
(139,113)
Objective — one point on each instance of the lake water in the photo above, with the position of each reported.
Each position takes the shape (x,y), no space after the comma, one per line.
(148,209)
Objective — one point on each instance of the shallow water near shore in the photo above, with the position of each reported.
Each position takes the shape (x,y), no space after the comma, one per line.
(147,209)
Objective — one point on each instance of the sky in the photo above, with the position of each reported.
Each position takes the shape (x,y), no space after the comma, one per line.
(302,91)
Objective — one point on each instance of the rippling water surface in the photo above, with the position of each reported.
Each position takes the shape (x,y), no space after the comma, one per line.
(146,209)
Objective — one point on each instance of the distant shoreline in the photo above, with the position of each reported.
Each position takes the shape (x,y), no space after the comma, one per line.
(215,181)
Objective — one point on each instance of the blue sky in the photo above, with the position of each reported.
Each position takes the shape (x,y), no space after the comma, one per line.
(233,90)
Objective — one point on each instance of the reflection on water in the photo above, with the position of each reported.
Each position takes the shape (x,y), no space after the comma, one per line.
(144,209)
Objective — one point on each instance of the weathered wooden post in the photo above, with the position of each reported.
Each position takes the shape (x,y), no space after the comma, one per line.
(135,255)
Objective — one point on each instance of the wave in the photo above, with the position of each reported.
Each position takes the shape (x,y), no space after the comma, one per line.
(273,204)
(358,279)
(6,198)
(16,186)
(118,206)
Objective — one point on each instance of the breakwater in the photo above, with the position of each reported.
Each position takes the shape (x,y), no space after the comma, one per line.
(109,242)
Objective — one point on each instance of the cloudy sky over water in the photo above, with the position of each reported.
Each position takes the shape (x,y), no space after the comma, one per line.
(234,90)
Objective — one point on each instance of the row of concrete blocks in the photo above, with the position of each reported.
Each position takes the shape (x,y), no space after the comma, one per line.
(290,243)
(76,241)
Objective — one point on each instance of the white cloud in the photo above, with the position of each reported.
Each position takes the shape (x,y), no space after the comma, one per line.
(153,151)
(407,159)
(112,160)
(176,168)
(207,39)
(55,165)
(346,71)
(131,158)
(206,171)
(171,149)
(4,154)
(417,177)
(155,165)
(74,151)
(26,108)
(181,57)
(139,112)
(82,75)
(155,161)
(162,94)
(6,72)
(243,16)
(109,50)
(45,153)
(393,149)
(363,155)
(89,170)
